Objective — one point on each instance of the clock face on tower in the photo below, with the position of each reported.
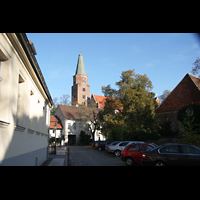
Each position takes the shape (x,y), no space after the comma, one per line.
(84,80)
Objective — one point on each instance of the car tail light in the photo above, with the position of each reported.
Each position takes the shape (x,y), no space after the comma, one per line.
(108,147)
(143,156)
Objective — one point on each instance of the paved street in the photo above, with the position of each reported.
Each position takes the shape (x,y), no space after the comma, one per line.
(88,156)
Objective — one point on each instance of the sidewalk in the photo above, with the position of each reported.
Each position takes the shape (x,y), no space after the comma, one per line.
(60,158)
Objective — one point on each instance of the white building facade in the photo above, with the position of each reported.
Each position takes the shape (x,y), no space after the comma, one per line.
(25,103)
(72,124)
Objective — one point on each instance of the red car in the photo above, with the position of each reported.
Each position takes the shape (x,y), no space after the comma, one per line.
(133,152)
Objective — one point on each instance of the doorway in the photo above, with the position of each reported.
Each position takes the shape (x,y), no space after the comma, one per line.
(71,139)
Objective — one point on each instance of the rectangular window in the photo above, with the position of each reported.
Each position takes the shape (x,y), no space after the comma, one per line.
(31,109)
(83,96)
(133,148)
(170,149)
(189,150)
(83,89)
(81,126)
(69,126)
(20,103)
(74,127)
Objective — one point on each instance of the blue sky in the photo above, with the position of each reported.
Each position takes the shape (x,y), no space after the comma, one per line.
(165,58)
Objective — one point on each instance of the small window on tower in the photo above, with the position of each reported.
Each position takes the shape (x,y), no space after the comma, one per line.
(83,96)
(83,89)
(74,80)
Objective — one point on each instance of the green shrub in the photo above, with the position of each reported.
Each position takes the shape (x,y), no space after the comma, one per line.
(143,135)
(84,138)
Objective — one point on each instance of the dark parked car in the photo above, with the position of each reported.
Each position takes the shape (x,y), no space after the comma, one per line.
(94,143)
(172,154)
(100,145)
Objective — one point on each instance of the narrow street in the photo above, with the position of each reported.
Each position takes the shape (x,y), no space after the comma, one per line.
(88,156)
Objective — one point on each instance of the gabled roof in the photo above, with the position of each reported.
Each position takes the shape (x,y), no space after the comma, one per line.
(69,112)
(75,112)
(80,69)
(100,100)
(54,120)
(187,91)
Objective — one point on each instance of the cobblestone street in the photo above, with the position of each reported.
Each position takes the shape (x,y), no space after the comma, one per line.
(88,156)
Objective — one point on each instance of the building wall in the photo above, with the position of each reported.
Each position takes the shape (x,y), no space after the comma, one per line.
(80,89)
(25,114)
(69,127)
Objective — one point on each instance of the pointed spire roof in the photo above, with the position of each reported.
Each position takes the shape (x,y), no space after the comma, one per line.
(80,69)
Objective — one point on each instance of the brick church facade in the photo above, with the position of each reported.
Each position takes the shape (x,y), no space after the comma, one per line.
(80,88)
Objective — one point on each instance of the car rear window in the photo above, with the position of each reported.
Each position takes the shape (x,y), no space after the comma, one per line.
(133,148)
(114,143)
(123,144)
(189,150)
(145,147)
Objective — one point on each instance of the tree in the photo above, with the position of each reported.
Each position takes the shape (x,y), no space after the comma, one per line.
(64,99)
(55,104)
(195,70)
(165,129)
(164,95)
(131,107)
(90,114)
(189,116)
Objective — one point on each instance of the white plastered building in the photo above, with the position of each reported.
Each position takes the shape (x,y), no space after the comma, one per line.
(25,103)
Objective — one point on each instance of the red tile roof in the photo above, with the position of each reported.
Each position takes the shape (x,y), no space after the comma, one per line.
(187,91)
(33,47)
(100,100)
(54,120)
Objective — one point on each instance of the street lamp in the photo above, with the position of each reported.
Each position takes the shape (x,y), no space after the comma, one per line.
(55,127)
(60,137)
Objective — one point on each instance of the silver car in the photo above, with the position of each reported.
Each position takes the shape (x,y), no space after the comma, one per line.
(117,147)
(113,143)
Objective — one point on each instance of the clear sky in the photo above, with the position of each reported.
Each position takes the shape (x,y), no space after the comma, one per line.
(165,58)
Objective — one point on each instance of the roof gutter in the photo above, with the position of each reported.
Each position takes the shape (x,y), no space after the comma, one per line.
(30,55)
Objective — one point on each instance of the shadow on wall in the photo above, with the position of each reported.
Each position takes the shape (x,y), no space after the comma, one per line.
(19,145)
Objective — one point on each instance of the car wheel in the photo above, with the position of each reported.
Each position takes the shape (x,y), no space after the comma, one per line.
(117,153)
(129,161)
(159,163)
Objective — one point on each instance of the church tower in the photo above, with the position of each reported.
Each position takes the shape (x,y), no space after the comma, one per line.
(80,88)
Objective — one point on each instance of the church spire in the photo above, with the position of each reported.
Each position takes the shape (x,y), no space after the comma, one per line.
(80,69)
